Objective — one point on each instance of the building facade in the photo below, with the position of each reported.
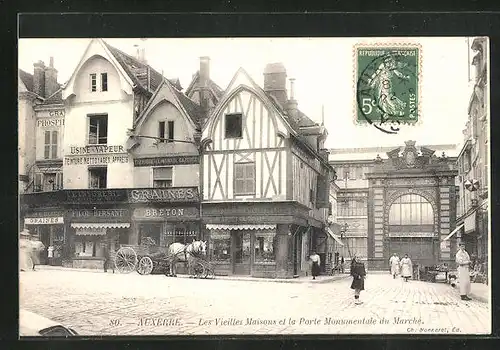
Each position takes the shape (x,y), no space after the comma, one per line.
(473,161)
(401,203)
(123,144)
(265,180)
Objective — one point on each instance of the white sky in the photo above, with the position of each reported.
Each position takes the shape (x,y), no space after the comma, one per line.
(322,67)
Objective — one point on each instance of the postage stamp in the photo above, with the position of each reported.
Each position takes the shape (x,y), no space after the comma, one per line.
(387,82)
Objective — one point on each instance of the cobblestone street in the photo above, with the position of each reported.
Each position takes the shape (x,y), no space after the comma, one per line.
(130,304)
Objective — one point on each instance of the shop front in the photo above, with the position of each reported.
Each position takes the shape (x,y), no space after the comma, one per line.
(257,239)
(48,227)
(92,230)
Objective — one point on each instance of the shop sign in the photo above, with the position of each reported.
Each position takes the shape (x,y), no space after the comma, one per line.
(150,213)
(44,221)
(100,213)
(96,196)
(96,160)
(96,155)
(95,149)
(49,122)
(163,195)
(161,161)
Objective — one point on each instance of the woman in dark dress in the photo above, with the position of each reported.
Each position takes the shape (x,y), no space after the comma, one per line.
(358,273)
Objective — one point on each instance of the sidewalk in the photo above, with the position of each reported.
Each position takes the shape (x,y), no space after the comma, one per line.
(478,291)
(320,279)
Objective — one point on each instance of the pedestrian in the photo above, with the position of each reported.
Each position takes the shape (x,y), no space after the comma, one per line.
(463,260)
(358,274)
(50,254)
(406,268)
(316,261)
(342,262)
(394,265)
(107,258)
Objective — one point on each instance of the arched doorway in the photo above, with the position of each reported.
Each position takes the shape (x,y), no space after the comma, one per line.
(411,229)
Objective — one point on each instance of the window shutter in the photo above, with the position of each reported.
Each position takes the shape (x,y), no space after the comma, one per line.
(162,173)
(171,130)
(38,182)
(46,154)
(54,144)
(322,200)
(59,181)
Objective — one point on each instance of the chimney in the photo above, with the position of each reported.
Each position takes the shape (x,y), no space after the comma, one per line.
(204,78)
(51,85)
(291,105)
(275,82)
(39,78)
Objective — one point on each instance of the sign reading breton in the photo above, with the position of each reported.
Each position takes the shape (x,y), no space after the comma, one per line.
(158,213)
(96,155)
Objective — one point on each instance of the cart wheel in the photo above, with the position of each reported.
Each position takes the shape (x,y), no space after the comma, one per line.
(145,266)
(125,260)
(198,270)
(209,273)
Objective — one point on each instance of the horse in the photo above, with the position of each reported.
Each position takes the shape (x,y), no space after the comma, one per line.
(186,253)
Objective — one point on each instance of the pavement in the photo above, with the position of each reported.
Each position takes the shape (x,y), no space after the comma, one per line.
(302,279)
(101,304)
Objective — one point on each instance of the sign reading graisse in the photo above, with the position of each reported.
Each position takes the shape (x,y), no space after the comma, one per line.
(176,160)
(163,195)
(44,221)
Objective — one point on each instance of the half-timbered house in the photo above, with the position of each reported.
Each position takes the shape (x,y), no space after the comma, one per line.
(265,176)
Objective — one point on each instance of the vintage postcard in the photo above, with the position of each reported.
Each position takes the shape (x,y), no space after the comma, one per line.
(230,187)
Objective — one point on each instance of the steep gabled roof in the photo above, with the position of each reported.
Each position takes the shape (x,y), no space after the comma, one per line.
(56,97)
(27,79)
(138,71)
(190,107)
(217,90)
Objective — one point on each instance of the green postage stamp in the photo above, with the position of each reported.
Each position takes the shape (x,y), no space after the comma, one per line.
(387,85)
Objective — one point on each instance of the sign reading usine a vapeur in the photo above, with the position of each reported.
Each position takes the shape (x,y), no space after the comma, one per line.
(96,155)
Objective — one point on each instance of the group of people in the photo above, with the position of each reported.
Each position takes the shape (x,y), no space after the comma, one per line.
(403,266)
(398,266)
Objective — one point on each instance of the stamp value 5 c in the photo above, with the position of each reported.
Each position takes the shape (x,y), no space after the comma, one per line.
(387,85)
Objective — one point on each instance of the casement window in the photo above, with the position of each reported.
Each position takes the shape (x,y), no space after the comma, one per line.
(411,209)
(162,176)
(166,131)
(244,178)
(234,125)
(98,177)
(104,81)
(48,181)
(98,129)
(93,82)
(50,147)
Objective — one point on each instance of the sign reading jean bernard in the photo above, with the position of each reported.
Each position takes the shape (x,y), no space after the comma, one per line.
(387,85)
(96,155)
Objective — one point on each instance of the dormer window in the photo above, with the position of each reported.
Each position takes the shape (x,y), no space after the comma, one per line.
(234,125)
(103,83)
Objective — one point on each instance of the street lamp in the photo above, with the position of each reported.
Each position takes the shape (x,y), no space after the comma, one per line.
(343,230)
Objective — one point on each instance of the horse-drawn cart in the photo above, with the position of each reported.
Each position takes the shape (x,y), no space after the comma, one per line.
(148,258)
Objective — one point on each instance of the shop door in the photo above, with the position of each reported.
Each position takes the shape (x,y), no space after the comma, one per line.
(419,250)
(45,239)
(241,252)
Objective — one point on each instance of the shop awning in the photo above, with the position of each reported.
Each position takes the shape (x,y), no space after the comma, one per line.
(452,233)
(334,236)
(100,225)
(240,227)
(96,231)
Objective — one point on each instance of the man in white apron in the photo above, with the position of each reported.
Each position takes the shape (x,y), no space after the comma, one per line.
(394,264)
(463,260)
